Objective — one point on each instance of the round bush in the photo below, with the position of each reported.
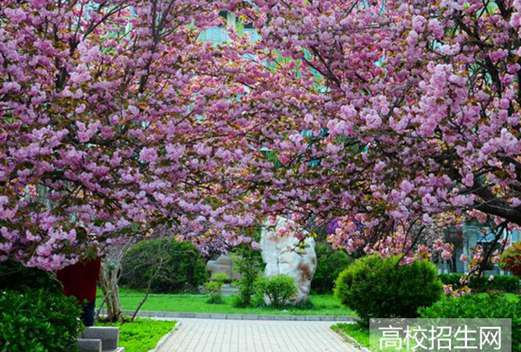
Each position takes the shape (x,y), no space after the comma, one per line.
(278,289)
(482,305)
(378,287)
(172,266)
(329,265)
(38,321)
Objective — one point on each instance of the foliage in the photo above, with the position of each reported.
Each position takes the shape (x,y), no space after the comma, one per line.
(329,265)
(214,292)
(38,321)
(376,287)
(141,334)
(501,283)
(248,263)
(511,259)
(483,305)
(220,277)
(214,287)
(15,276)
(278,289)
(172,266)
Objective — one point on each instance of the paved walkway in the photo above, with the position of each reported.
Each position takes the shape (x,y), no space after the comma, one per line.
(210,335)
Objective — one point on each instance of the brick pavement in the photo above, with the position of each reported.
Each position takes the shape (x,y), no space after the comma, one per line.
(213,335)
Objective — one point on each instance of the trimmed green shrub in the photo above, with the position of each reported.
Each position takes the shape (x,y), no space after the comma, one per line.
(482,305)
(214,287)
(329,265)
(38,321)
(173,266)
(376,287)
(278,289)
(504,283)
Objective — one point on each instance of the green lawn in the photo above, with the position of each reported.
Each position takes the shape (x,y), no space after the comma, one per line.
(141,335)
(357,332)
(196,303)
(360,335)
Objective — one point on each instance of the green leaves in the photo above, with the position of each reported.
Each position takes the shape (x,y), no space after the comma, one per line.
(483,305)
(378,287)
(37,321)
(279,289)
(329,265)
(182,267)
(214,287)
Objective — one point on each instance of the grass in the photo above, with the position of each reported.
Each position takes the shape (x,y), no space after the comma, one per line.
(196,303)
(359,335)
(141,335)
(355,331)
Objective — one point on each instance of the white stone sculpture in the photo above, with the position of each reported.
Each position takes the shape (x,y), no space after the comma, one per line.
(283,253)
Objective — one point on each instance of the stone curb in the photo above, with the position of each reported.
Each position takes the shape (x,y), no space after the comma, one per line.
(165,338)
(335,318)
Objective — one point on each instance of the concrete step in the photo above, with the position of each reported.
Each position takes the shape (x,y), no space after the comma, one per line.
(108,337)
(89,345)
(94,345)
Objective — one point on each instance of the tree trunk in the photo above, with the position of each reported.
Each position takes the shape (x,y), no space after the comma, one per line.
(109,281)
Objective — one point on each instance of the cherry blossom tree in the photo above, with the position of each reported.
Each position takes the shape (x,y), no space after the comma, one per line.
(412,119)
(396,117)
(116,121)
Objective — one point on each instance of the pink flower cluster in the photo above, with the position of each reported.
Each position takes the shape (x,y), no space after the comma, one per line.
(117,121)
(412,111)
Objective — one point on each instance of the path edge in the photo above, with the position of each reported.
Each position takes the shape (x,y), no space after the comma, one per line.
(166,337)
(348,339)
